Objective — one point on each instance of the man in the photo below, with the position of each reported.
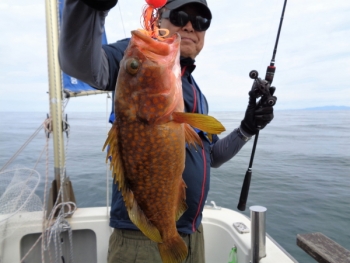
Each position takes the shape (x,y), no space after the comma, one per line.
(82,56)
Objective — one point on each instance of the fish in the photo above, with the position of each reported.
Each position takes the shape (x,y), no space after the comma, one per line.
(147,141)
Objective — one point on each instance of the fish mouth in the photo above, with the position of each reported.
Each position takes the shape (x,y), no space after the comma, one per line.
(159,47)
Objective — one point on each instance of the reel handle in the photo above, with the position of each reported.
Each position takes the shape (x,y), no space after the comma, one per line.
(262,88)
(254,74)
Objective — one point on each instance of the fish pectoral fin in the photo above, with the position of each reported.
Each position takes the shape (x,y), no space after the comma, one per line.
(182,206)
(200,121)
(191,137)
(138,217)
(116,165)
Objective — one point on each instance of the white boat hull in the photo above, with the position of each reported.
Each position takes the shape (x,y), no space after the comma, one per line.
(91,233)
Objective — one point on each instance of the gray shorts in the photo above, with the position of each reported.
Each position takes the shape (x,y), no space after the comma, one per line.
(129,246)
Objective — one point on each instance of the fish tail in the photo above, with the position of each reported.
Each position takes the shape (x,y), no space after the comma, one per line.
(173,250)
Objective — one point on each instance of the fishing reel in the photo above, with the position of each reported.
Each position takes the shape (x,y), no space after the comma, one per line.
(262,88)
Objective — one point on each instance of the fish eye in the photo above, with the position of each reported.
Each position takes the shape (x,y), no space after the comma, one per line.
(132,66)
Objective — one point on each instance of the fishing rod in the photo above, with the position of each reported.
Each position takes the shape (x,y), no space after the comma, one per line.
(263,89)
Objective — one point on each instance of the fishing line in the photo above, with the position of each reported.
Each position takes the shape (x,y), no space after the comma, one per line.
(270,33)
(107,165)
(121,18)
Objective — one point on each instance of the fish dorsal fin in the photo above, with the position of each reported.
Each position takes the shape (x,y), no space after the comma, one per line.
(136,215)
(192,138)
(182,206)
(200,121)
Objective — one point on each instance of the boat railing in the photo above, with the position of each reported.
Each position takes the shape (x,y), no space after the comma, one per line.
(322,248)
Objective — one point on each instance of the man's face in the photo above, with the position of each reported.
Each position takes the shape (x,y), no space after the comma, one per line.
(192,41)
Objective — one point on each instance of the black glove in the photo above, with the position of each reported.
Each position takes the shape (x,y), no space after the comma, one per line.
(257,116)
(101,5)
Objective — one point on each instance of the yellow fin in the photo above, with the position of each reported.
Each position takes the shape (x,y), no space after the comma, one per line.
(192,138)
(112,135)
(173,250)
(200,121)
(116,165)
(182,206)
(139,218)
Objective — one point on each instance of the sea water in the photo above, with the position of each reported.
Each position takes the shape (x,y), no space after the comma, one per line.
(301,169)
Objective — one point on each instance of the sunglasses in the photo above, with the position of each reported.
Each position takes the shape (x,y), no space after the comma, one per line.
(180,18)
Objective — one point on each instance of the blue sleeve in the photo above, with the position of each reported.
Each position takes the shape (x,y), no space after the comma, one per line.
(80,54)
(115,53)
(224,149)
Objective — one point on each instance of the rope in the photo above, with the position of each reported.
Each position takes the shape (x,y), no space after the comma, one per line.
(46,147)
(63,171)
(22,148)
(56,226)
(44,205)
(30,250)
(60,224)
(53,230)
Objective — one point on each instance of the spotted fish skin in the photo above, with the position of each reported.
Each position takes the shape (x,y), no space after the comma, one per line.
(147,140)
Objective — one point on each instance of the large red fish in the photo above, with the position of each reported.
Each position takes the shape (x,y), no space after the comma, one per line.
(148,139)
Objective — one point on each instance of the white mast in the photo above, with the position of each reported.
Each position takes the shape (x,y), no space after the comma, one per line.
(55,94)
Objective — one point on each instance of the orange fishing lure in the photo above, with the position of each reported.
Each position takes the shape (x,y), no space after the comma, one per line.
(149,16)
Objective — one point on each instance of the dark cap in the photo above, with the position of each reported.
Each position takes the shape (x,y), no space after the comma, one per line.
(173,4)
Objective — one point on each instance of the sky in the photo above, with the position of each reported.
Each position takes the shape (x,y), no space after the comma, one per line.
(312,61)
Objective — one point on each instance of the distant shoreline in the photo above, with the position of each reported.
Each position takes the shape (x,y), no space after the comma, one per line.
(328,108)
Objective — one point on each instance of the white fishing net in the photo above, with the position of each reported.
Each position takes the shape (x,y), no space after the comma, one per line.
(18,199)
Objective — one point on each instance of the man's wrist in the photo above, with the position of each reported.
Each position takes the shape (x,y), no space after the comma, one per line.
(243,134)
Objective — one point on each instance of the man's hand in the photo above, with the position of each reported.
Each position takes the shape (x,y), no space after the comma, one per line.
(101,5)
(256,116)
